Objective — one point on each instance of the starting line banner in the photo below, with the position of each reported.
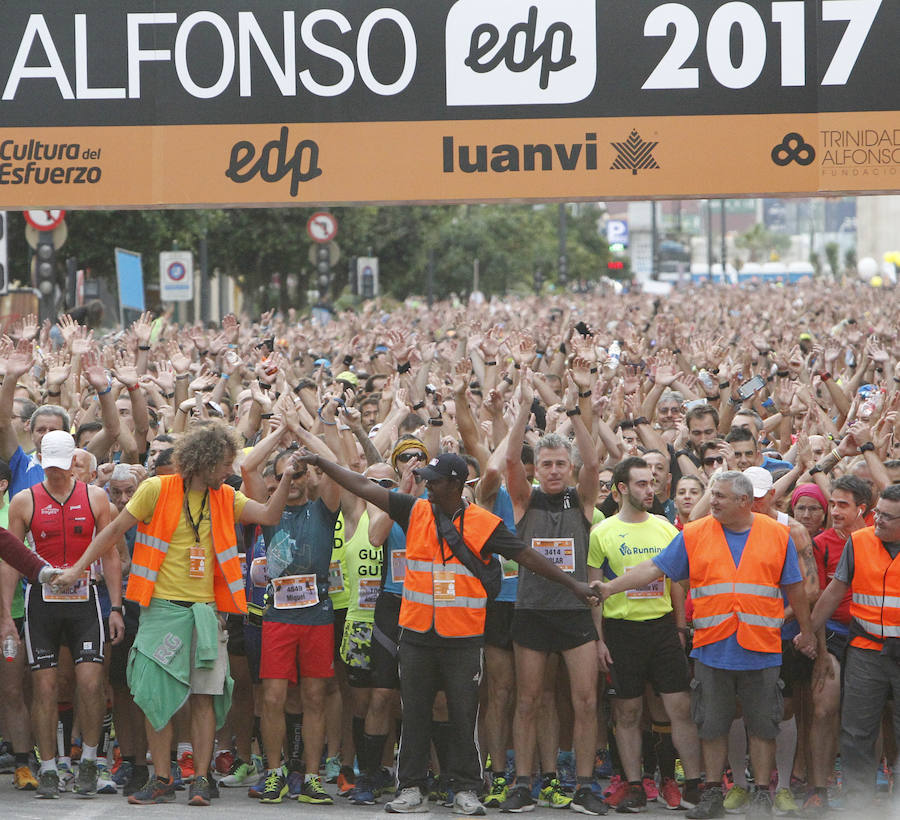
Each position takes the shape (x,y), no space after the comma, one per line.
(180,103)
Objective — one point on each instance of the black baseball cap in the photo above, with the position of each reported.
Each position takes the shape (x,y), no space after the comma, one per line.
(446,465)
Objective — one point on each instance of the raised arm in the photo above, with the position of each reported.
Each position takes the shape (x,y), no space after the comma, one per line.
(516,480)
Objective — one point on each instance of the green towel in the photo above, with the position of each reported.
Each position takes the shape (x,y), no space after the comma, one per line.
(159,664)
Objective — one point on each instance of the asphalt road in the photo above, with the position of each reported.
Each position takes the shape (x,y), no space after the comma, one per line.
(235,803)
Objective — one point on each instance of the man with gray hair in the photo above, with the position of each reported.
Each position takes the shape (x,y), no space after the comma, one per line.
(738,564)
(554,519)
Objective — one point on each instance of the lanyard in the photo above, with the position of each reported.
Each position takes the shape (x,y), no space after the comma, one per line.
(462,513)
(195,526)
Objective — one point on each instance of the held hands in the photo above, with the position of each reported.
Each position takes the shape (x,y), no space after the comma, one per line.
(65,578)
(587,593)
(805,642)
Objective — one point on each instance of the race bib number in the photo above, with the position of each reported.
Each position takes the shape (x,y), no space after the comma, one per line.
(79,591)
(510,569)
(197,566)
(398,565)
(655,589)
(367,593)
(444,585)
(242,557)
(335,577)
(295,591)
(560,551)
(259,572)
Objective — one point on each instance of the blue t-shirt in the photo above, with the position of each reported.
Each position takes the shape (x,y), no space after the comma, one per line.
(26,472)
(503,507)
(727,654)
(310,531)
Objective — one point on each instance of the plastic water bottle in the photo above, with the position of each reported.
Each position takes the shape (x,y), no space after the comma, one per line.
(10,648)
(615,353)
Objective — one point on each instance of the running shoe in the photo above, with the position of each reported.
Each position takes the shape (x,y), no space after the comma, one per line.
(635,800)
(362,794)
(737,800)
(241,774)
(295,783)
(332,769)
(186,762)
(669,794)
(154,791)
(24,780)
(122,774)
(177,779)
(139,776)
(518,799)
(86,783)
(616,792)
(346,779)
(66,775)
(312,792)
(650,787)
(761,804)
(276,787)
(586,802)
(467,802)
(409,801)
(48,785)
(710,805)
(784,804)
(225,760)
(497,795)
(815,805)
(679,771)
(105,782)
(200,794)
(552,796)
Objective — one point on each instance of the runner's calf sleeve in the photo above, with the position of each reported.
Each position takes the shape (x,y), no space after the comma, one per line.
(665,749)
(373,746)
(294,737)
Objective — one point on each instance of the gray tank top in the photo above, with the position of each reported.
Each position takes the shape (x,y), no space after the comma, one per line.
(556,527)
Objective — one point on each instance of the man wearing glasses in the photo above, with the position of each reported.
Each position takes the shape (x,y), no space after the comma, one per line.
(869,569)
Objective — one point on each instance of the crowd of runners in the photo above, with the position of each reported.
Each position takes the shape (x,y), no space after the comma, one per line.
(579,551)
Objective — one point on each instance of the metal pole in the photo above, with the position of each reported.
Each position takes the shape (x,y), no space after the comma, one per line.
(723,241)
(709,239)
(654,246)
(562,236)
(429,278)
(204,280)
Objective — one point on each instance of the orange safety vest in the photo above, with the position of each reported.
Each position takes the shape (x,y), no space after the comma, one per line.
(746,599)
(153,539)
(875,575)
(438,590)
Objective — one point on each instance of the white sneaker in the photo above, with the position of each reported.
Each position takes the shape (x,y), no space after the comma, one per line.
(105,784)
(467,803)
(409,801)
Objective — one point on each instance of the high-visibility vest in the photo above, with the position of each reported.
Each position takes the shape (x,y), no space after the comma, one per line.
(746,599)
(438,590)
(152,543)
(875,575)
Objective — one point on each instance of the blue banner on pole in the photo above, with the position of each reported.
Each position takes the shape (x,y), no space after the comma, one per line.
(130,275)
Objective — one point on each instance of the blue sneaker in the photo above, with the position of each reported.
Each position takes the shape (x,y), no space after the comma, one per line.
(363,793)
(123,774)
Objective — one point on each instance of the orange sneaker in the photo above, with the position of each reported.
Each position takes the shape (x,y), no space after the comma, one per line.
(346,779)
(186,762)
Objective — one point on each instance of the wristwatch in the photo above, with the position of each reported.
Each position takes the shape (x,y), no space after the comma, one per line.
(864,448)
(116,609)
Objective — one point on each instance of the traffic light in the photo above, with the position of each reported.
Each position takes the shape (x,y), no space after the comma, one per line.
(563,270)
(323,269)
(45,265)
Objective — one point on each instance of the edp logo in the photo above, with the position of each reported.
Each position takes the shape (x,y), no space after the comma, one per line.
(521,52)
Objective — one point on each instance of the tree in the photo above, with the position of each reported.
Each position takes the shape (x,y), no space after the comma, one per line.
(762,243)
(832,254)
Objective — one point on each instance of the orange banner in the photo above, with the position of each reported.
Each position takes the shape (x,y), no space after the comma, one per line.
(448,161)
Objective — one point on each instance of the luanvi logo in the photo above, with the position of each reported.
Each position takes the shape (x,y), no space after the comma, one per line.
(793,148)
(510,52)
(273,163)
(634,154)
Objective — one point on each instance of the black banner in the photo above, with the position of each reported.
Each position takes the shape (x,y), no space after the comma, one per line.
(101,63)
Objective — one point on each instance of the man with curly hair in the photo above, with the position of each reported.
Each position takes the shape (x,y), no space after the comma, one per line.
(185,568)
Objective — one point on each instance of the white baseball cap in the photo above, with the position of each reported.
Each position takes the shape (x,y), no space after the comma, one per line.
(761,479)
(57,448)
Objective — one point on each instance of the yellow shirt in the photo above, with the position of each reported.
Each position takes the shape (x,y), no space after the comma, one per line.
(616,547)
(174,582)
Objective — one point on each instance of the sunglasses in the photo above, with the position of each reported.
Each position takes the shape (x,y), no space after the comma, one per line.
(606,485)
(708,462)
(387,483)
(278,476)
(408,456)
(471,482)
